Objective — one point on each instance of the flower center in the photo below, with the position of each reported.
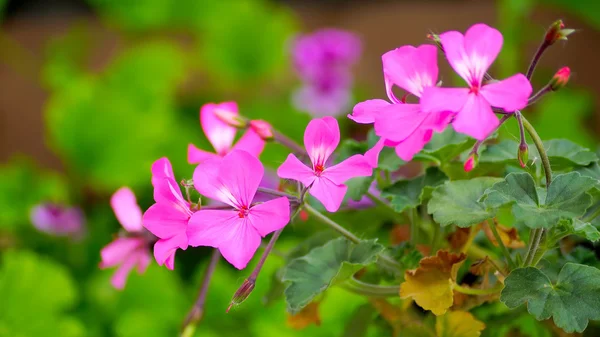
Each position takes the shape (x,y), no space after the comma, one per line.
(318,170)
(474,89)
(243,212)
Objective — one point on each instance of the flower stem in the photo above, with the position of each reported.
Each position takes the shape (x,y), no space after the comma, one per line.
(197,311)
(288,142)
(379,201)
(275,192)
(265,254)
(592,215)
(386,260)
(470,291)
(370,290)
(536,97)
(492,224)
(536,58)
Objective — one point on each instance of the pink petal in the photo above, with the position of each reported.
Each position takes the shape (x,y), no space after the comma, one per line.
(166,188)
(250,142)
(118,250)
(329,194)
(196,155)
(321,138)
(365,112)
(119,278)
(398,121)
(413,144)
(293,168)
(233,180)
(476,118)
(270,216)
(436,99)
(510,94)
(219,134)
(372,155)
(234,236)
(355,166)
(164,249)
(438,121)
(126,209)
(482,45)
(410,68)
(166,220)
(143,260)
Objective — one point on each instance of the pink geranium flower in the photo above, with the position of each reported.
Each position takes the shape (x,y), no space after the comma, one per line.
(168,217)
(471,55)
(326,183)
(403,126)
(126,252)
(59,220)
(237,232)
(221,135)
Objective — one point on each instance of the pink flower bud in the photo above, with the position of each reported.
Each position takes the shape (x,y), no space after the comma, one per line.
(523,154)
(560,79)
(471,162)
(242,293)
(262,128)
(230,118)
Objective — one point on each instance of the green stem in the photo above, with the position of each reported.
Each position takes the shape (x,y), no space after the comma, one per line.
(592,215)
(511,263)
(370,290)
(381,202)
(471,291)
(384,259)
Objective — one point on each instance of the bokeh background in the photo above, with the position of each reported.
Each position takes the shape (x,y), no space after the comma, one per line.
(93,91)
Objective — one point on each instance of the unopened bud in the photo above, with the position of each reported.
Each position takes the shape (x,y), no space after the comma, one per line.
(230,118)
(560,79)
(523,154)
(262,128)
(471,162)
(557,31)
(435,38)
(242,293)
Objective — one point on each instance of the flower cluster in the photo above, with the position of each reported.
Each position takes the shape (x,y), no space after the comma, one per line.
(323,60)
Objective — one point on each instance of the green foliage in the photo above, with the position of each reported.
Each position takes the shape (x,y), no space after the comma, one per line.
(566,198)
(457,202)
(407,194)
(36,294)
(447,145)
(323,267)
(572,301)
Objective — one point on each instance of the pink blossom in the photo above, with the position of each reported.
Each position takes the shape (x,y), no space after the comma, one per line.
(236,233)
(403,126)
(326,183)
(168,217)
(58,220)
(126,252)
(471,55)
(221,134)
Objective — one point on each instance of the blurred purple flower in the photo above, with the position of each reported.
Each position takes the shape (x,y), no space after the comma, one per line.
(322,61)
(59,220)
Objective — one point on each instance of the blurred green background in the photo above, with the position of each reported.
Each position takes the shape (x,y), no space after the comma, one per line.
(92,92)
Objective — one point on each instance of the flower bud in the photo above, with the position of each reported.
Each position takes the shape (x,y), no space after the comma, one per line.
(523,154)
(230,118)
(557,32)
(262,128)
(242,293)
(435,38)
(560,79)
(471,162)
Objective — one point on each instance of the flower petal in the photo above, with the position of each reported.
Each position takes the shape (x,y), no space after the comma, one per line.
(413,144)
(211,227)
(365,112)
(372,154)
(317,101)
(410,68)
(328,193)
(219,134)
(166,188)
(118,250)
(354,166)
(510,94)
(164,250)
(482,45)
(166,220)
(241,245)
(251,143)
(126,209)
(398,121)
(143,260)
(436,99)
(270,216)
(293,168)
(196,155)
(119,278)
(476,118)
(233,180)
(321,138)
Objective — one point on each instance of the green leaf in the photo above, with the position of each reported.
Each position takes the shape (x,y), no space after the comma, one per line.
(501,153)
(566,198)
(358,187)
(571,302)
(447,145)
(564,154)
(457,202)
(574,227)
(406,194)
(592,171)
(323,267)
